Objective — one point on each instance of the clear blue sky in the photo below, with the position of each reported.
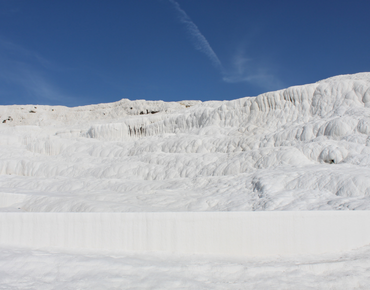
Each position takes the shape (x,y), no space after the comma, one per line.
(77,52)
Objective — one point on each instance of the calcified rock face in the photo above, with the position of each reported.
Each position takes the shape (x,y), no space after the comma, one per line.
(302,148)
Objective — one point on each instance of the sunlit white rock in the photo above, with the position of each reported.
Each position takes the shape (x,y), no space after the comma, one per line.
(302,148)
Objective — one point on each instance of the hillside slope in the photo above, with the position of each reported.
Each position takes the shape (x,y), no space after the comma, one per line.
(302,148)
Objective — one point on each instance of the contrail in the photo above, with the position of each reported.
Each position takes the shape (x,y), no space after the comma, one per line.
(243,69)
(199,41)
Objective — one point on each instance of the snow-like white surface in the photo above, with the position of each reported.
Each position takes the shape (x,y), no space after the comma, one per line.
(302,148)
(46,270)
(230,234)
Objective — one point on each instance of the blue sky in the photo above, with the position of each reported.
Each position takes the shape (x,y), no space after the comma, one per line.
(78,52)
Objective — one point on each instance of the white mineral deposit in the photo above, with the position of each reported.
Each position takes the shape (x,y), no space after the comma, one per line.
(168,173)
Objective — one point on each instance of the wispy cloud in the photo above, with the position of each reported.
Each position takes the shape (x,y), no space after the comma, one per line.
(245,69)
(241,70)
(199,41)
(16,51)
(24,73)
(31,81)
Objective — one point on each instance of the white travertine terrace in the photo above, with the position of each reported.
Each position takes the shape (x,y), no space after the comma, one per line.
(302,148)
